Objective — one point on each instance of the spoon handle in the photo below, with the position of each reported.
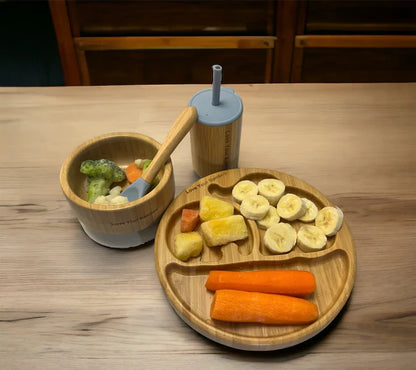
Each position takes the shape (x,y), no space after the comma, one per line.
(180,128)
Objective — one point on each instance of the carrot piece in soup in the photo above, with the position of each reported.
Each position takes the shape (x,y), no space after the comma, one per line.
(288,282)
(189,220)
(254,307)
(133,172)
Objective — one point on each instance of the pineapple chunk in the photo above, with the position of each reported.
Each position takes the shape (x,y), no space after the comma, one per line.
(224,230)
(188,245)
(211,208)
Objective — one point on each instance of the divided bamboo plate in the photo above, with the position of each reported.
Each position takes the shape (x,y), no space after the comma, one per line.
(184,282)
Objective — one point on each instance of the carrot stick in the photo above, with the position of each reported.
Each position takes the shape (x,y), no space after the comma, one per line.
(288,282)
(240,306)
(133,172)
(189,220)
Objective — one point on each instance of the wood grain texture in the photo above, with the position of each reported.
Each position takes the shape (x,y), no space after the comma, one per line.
(67,302)
(327,65)
(173,17)
(174,42)
(184,282)
(348,41)
(66,47)
(215,148)
(289,22)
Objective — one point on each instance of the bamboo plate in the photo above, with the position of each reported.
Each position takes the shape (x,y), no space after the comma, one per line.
(184,282)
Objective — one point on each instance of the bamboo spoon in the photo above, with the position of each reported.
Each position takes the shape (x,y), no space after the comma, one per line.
(180,128)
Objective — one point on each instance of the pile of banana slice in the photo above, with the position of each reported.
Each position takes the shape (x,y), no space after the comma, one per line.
(268,205)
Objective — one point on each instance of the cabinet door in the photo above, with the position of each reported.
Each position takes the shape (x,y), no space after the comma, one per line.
(157,42)
(175,66)
(363,17)
(172,17)
(356,41)
(358,65)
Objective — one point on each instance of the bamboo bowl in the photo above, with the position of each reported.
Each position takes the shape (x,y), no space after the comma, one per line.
(117,226)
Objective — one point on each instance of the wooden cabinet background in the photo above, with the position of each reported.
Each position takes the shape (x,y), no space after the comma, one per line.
(158,42)
(356,41)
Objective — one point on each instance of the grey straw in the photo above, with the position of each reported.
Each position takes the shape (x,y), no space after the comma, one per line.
(216,83)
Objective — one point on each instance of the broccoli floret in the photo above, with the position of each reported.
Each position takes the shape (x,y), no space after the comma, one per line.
(101,174)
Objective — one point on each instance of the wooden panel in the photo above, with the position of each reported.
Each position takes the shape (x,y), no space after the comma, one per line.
(364,16)
(321,41)
(65,44)
(289,16)
(284,29)
(173,17)
(175,66)
(358,65)
(189,42)
(83,67)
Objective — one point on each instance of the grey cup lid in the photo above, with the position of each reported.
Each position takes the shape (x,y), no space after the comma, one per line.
(229,109)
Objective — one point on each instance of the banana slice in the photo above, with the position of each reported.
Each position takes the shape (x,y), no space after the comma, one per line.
(244,189)
(329,219)
(271,189)
(271,218)
(254,207)
(311,238)
(280,238)
(311,211)
(291,207)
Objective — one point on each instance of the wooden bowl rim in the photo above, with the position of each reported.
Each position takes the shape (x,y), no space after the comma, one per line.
(70,194)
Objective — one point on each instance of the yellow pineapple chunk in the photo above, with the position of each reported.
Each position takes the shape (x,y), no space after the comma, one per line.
(188,245)
(211,208)
(224,230)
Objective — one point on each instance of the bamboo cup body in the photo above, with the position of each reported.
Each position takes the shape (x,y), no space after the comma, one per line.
(215,148)
(215,137)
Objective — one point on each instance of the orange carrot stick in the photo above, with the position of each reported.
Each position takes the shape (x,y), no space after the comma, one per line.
(288,282)
(240,306)
(189,220)
(133,172)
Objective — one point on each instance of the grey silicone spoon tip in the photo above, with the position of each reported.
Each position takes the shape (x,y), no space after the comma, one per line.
(180,128)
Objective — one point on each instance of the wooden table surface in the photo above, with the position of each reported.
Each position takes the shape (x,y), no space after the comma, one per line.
(66,302)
